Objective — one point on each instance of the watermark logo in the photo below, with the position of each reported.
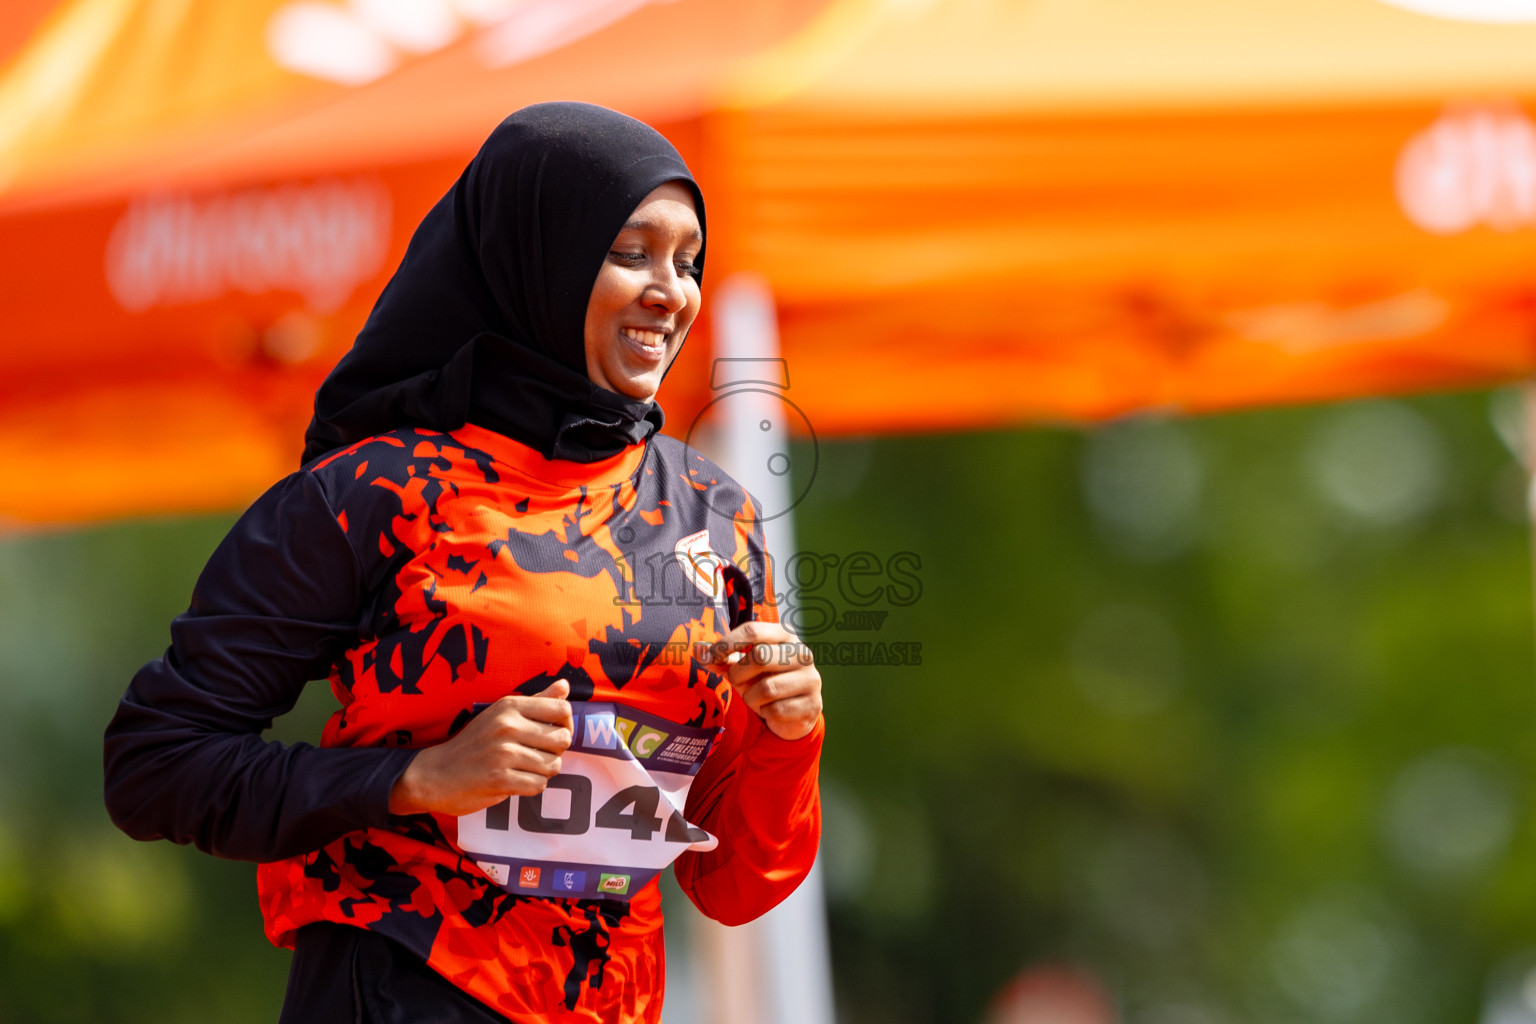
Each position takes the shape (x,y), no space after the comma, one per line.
(829,591)
(754,419)
(748,426)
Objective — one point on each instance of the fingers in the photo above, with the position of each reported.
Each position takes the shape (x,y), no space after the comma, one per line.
(538,730)
(544,709)
(745,657)
(777,678)
(524,759)
(557,690)
(550,738)
(793,717)
(770,688)
(549,705)
(789,704)
(739,641)
(767,659)
(774,673)
(757,632)
(543,723)
(717,653)
(512,748)
(522,784)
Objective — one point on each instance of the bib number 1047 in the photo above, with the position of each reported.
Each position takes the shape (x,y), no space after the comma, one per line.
(631,810)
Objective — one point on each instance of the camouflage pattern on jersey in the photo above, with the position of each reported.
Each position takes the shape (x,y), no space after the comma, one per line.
(492,571)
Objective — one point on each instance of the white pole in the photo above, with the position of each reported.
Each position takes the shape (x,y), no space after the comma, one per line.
(786,949)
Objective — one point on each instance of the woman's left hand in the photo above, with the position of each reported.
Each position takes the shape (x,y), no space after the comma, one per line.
(773,672)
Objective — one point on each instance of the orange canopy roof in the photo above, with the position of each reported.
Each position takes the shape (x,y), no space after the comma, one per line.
(971,214)
(199,202)
(19,21)
(983,214)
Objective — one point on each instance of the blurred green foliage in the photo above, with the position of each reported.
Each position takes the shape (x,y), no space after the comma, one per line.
(1235,713)
(93,926)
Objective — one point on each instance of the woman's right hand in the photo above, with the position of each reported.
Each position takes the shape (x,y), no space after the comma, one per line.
(512,748)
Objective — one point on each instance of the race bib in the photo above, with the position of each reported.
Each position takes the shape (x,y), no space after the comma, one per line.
(607,824)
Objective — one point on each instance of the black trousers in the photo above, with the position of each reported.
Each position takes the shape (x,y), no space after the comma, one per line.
(345,975)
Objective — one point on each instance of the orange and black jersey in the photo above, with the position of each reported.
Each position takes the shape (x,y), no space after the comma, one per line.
(427,573)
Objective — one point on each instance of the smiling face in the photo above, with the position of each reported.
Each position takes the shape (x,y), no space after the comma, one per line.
(645,296)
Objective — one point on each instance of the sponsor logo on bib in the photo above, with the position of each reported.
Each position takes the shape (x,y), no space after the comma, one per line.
(617,884)
(528,878)
(496,872)
(570,881)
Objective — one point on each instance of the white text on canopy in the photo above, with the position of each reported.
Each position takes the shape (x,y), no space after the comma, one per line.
(320,240)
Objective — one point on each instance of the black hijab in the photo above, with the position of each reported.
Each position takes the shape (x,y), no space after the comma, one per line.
(484,321)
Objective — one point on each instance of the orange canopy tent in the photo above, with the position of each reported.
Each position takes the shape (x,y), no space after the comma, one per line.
(1097,206)
(1092,206)
(199,203)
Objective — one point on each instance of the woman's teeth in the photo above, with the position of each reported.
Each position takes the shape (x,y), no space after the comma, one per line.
(649,339)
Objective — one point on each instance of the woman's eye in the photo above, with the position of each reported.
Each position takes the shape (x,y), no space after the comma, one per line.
(629,259)
(687,267)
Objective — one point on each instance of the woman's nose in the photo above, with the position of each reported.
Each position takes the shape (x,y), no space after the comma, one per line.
(666,291)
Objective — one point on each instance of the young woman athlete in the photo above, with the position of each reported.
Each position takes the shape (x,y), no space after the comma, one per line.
(504,570)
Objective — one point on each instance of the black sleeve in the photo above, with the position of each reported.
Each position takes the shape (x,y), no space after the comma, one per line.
(278,602)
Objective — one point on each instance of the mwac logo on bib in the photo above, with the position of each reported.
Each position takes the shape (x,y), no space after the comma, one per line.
(605,731)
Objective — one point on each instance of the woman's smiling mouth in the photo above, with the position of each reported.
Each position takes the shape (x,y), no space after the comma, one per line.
(650,344)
